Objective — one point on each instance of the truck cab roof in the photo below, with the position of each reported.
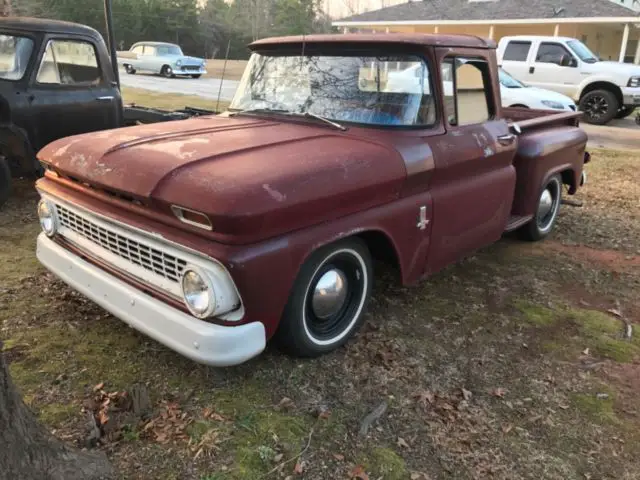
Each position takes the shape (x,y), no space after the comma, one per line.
(369,39)
(27,24)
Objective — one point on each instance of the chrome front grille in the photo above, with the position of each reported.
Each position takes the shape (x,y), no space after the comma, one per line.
(137,252)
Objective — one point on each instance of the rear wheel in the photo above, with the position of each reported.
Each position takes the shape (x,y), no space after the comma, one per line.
(327,302)
(129,69)
(599,106)
(5,181)
(546,211)
(167,72)
(624,112)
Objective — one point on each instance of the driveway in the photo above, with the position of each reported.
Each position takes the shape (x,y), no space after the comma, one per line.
(203,87)
(618,134)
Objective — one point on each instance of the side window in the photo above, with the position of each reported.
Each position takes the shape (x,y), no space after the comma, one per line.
(149,50)
(137,50)
(517,51)
(466,86)
(69,62)
(552,53)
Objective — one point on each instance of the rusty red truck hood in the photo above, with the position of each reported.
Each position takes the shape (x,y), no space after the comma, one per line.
(254,178)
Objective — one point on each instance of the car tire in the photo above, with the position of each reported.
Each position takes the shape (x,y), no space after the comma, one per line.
(624,112)
(167,72)
(547,208)
(5,181)
(599,106)
(316,322)
(196,76)
(129,69)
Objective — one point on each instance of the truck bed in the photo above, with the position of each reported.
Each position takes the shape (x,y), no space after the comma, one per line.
(529,118)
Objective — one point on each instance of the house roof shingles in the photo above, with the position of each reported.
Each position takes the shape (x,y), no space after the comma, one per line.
(461,10)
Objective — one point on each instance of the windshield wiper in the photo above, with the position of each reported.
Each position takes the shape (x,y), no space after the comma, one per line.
(325,120)
(258,110)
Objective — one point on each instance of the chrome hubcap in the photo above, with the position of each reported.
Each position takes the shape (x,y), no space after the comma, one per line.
(329,294)
(546,204)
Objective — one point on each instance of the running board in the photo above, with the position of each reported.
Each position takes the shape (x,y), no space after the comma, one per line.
(517,221)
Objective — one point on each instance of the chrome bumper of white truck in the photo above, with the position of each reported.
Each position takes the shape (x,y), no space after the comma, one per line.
(200,341)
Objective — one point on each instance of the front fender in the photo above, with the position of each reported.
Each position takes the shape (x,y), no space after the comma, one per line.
(600,77)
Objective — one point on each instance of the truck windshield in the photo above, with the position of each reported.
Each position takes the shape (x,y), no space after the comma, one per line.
(14,56)
(582,51)
(359,89)
(508,81)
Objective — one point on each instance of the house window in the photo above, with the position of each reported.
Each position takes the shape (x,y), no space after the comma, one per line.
(517,51)
(466,86)
(69,62)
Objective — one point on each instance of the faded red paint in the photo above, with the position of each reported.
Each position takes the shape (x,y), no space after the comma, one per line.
(277,189)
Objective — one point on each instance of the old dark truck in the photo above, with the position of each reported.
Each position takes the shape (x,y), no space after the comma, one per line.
(56,80)
(214,234)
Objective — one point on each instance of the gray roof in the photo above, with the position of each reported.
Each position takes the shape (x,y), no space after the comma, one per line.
(493,10)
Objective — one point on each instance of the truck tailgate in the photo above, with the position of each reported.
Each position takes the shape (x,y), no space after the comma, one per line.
(548,144)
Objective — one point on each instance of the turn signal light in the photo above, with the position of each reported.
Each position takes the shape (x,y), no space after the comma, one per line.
(192,217)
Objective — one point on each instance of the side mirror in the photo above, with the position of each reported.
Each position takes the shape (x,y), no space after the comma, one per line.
(567,61)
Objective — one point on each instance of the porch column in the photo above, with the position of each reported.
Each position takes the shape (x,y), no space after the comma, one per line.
(556,30)
(491,31)
(623,45)
(436,29)
(345,29)
(386,30)
(636,58)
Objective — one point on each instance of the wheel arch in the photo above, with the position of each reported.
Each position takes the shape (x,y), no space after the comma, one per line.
(602,85)
(16,147)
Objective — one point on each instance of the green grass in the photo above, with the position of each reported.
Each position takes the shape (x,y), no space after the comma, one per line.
(536,314)
(382,462)
(168,101)
(598,406)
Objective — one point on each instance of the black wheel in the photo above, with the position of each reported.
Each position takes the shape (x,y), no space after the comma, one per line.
(546,211)
(624,112)
(599,106)
(129,69)
(5,181)
(198,75)
(326,305)
(167,72)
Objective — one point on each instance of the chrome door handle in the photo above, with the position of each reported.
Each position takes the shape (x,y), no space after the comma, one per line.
(506,139)
(107,98)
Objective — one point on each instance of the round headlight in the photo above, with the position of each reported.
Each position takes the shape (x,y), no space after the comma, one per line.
(48,217)
(178,62)
(198,292)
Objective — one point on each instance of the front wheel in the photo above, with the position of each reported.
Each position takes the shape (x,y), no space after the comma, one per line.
(326,305)
(167,72)
(599,106)
(5,181)
(546,211)
(129,69)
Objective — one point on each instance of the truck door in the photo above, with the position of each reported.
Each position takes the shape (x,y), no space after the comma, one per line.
(553,66)
(69,92)
(474,181)
(514,58)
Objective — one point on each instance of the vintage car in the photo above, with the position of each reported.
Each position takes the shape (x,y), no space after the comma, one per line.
(51,70)
(164,59)
(213,235)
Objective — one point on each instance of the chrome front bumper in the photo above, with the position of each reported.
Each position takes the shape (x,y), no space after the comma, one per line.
(200,341)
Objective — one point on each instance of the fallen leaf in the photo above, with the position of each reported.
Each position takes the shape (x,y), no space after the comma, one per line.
(278,457)
(498,392)
(206,412)
(98,387)
(358,473)
(507,428)
(218,417)
(419,476)
(103,418)
(402,443)
(299,468)
(285,404)
(424,396)
(466,394)
(585,351)
(324,413)
(338,457)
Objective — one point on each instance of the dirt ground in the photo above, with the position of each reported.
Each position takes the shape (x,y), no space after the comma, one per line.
(618,134)
(512,364)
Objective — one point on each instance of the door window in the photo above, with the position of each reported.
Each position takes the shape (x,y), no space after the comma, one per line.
(149,50)
(517,51)
(466,86)
(15,53)
(69,62)
(553,53)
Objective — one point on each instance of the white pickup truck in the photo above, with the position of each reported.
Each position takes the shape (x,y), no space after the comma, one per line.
(603,90)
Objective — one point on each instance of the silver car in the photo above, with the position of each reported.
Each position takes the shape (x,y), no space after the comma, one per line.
(165,59)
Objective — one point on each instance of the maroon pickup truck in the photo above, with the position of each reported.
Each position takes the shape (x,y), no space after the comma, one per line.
(214,234)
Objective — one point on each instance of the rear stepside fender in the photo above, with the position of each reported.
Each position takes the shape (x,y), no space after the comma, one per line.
(16,147)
